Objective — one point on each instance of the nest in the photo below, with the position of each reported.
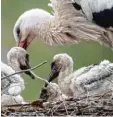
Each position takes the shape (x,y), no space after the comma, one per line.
(98,105)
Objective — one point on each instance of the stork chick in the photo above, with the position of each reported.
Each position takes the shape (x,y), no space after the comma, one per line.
(90,80)
(18,59)
(67,25)
(52,93)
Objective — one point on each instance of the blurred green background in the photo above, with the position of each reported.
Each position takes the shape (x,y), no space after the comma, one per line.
(83,54)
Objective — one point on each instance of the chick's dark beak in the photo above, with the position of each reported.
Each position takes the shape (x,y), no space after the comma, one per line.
(30,74)
(27,66)
(53,73)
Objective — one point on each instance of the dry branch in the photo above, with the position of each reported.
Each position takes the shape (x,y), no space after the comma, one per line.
(18,72)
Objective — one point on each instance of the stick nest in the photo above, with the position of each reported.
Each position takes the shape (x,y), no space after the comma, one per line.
(98,105)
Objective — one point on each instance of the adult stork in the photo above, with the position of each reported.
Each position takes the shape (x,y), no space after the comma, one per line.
(68,24)
(90,80)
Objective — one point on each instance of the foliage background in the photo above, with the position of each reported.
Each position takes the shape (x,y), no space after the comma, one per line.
(83,54)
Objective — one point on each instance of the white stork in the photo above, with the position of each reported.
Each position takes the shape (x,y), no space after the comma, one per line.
(68,24)
(90,80)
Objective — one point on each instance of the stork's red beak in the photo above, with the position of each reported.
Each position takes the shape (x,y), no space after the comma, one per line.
(23,44)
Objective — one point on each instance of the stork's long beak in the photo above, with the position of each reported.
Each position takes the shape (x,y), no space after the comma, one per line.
(52,75)
(23,44)
(30,74)
(25,41)
(27,66)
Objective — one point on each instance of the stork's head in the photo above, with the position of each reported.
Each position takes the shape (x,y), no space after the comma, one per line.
(62,63)
(27,26)
(18,59)
(50,92)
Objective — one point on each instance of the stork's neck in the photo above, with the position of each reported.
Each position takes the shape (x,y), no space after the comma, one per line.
(44,30)
(64,74)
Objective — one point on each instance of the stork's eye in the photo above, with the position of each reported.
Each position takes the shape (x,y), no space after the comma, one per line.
(18,32)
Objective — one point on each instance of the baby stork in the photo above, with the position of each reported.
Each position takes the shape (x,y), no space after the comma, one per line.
(17,59)
(94,79)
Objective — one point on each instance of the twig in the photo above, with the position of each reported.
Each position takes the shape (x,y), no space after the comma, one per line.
(24,70)
(26,104)
(39,77)
(65,106)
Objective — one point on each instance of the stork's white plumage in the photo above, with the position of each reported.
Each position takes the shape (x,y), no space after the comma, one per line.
(67,25)
(90,80)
